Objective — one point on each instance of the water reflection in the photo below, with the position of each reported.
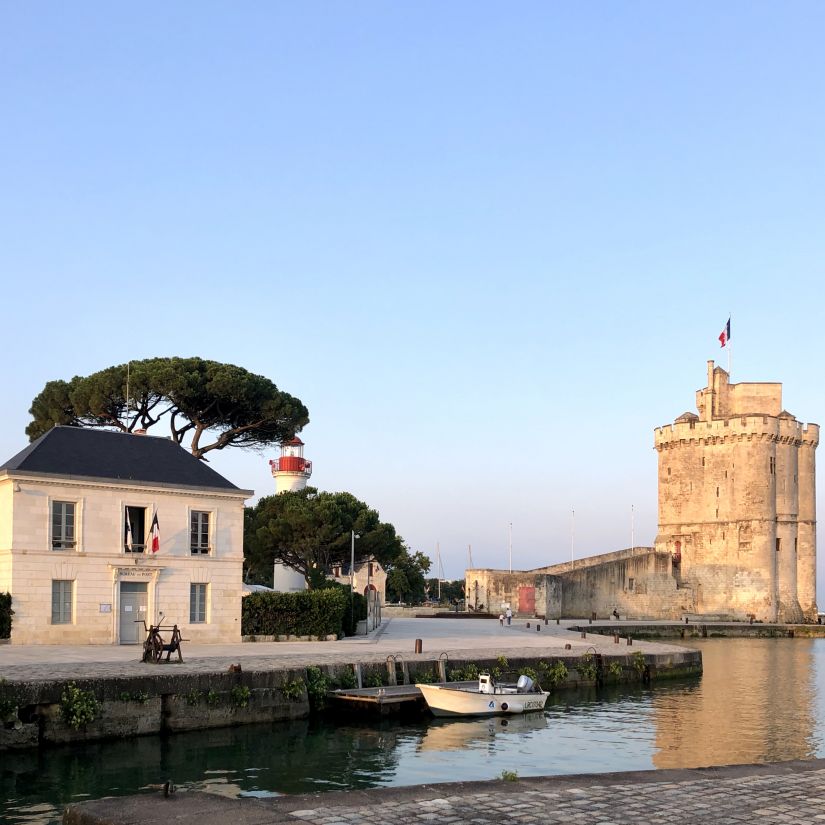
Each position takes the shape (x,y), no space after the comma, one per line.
(759,700)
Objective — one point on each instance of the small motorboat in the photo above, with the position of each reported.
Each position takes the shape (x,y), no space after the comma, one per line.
(485,699)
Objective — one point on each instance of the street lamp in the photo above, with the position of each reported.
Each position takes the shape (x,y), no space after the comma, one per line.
(352,563)
(352,581)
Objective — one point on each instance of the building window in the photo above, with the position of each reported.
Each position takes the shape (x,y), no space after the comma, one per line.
(199,532)
(630,583)
(62,601)
(778,545)
(197,603)
(134,530)
(63,525)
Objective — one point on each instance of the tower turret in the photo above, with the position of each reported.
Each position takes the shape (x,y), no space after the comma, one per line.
(291,471)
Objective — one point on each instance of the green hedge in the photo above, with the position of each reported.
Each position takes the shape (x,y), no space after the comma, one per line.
(310,613)
(5,615)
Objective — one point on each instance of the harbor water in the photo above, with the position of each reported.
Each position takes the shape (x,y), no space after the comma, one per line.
(759,700)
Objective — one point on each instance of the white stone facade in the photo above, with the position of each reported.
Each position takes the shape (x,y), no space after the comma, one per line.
(109,585)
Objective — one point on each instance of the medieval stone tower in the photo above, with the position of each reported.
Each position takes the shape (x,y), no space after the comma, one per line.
(737,503)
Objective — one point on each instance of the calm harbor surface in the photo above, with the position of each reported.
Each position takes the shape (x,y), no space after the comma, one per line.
(759,700)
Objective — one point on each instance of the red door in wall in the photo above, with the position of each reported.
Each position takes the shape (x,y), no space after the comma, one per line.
(527,600)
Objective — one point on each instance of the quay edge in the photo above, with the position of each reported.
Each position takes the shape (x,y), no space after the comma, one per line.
(165,701)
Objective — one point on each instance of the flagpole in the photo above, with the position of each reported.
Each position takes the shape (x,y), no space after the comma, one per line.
(730,348)
(572,534)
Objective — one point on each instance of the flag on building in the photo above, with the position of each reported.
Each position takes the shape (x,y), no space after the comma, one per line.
(724,335)
(128,541)
(154,533)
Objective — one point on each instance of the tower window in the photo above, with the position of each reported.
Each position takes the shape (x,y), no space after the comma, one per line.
(717,492)
(703,461)
(668,470)
(778,545)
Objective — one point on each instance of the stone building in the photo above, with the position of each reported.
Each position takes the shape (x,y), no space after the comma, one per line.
(737,502)
(77,511)
(737,525)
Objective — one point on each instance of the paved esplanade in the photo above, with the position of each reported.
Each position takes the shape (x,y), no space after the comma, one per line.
(789,792)
(459,638)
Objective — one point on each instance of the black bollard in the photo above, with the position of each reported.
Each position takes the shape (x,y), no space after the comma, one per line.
(629,641)
(615,638)
(538,626)
(419,646)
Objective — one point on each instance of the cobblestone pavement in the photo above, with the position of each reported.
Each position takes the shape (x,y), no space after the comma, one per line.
(458,638)
(790,792)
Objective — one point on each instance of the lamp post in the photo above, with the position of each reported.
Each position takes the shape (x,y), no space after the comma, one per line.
(352,581)
(368,593)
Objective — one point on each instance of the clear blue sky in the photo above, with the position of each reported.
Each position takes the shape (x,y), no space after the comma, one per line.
(490,246)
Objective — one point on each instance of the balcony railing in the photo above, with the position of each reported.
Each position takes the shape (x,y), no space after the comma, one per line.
(63,544)
(199,549)
(291,464)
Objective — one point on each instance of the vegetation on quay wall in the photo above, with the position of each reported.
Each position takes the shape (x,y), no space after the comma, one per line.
(5,615)
(329,612)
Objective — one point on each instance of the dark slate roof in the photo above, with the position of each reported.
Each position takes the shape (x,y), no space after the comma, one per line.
(79,452)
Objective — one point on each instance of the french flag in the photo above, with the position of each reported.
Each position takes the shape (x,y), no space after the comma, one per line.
(154,533)
(724,336)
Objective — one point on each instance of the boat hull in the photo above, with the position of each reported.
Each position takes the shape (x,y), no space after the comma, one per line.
(445,701)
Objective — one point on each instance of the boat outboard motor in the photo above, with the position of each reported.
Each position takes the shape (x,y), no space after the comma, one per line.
(524,684)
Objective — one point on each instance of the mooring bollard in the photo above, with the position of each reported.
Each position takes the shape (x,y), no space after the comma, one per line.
(419,646)
(568,646)
(615,638)
(584,634)
(545,621)
(558,620)
(629,641)
(686,619)
(528,625)
(590,620)
(538,626)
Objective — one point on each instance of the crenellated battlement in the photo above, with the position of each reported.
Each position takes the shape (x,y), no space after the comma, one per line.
(735,429)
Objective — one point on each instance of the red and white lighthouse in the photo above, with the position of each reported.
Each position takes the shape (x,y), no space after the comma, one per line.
(291,471)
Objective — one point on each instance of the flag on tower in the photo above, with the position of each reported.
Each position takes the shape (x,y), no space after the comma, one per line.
(154,533)
(724,336)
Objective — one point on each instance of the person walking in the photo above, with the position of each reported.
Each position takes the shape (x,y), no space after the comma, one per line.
(509,615)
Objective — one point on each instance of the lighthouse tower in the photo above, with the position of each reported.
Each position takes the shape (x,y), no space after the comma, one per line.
(291,471)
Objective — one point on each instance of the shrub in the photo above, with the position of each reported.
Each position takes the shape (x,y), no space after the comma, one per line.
(240,696)
(192,698)
(615,670)
(553,675)
(586,667)
(638,662)
(309,613)
(346,680)
(5,615)
(78,707)
(317,687)
(465,674)
(374,679)
(213,699)
(292,690)
(8,705)
(509,776)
